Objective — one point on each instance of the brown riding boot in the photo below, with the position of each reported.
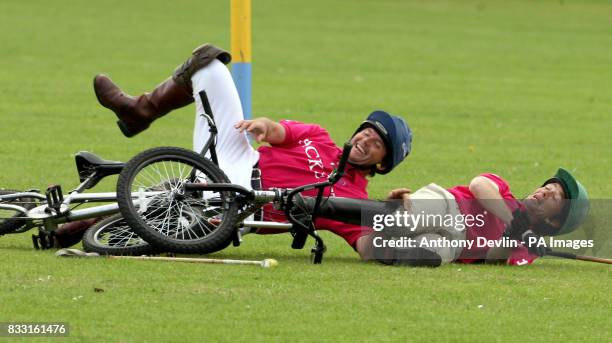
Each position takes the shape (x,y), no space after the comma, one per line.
(137,113)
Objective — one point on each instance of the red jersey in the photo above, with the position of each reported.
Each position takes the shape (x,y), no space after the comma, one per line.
(493,227)
(308,155)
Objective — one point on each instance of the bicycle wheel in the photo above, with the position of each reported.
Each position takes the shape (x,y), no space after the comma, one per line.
(173,220)
(113,236)
(10,220)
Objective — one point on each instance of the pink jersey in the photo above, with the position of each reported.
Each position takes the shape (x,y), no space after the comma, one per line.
(493,227)
(308,155)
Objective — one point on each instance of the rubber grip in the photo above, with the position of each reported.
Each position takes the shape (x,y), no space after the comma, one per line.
(345,154)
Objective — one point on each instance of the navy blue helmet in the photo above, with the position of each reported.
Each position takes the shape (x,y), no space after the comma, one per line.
(396,135)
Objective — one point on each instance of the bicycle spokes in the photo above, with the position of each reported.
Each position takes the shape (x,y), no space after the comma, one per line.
(171,211)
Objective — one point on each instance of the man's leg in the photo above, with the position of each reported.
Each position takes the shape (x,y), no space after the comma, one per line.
(71,233)
(425,218)
(235,154)
(415,256)
(137,113)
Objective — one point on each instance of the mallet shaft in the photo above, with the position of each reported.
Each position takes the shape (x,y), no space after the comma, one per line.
(579,257)
(190,260)
(594,259)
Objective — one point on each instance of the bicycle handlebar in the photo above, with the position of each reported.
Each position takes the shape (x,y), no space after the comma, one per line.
(339,171)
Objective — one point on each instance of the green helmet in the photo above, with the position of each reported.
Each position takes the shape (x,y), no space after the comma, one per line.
(578,205)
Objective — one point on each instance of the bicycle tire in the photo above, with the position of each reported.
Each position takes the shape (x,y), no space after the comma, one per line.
(113,236)
(8,222)
(171,231)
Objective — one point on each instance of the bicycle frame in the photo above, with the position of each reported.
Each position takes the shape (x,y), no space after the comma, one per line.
(48,217)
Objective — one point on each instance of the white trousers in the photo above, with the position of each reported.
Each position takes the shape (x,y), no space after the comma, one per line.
(235,154)
(435,200)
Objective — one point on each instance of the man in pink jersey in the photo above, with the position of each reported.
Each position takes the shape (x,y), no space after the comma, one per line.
(305,153)
(298,153)
(482,221)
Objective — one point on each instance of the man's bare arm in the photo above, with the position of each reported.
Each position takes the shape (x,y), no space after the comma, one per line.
(487,193)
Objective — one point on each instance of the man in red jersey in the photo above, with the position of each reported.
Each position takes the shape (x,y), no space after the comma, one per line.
(482,221)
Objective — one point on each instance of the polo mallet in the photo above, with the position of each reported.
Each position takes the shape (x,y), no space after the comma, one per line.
(579,257)
(267,263)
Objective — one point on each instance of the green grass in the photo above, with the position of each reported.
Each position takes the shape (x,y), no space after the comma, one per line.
(512,87)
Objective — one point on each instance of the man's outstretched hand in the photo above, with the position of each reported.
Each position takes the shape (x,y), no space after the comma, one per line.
(263,130)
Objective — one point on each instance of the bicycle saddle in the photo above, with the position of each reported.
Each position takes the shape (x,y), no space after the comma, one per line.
(88,163)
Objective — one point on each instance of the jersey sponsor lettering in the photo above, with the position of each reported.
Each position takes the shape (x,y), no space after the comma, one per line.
(315,164)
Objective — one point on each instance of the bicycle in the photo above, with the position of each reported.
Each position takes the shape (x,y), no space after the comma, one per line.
(171,211)
(172,198)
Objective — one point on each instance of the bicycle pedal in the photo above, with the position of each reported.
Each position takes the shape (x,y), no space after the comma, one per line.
(54,197)
(43,241)
(35,242)
(236,238)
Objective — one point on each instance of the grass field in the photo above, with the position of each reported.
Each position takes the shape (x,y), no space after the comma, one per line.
(517,88)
